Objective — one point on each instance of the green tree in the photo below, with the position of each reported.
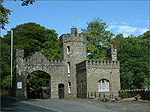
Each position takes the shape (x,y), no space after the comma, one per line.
(4,12)
(5,65)
(31,37)
(98,38)
(41,79)
(133,56)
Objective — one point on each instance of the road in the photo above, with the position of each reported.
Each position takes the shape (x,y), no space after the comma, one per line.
(74,105)
(9,104)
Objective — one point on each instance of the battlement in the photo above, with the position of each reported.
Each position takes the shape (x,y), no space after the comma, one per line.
(19,53)
(39,58)
(106,64)
(72,37)
(56,61)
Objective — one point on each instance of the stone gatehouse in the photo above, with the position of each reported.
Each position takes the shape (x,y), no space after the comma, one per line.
(73,75)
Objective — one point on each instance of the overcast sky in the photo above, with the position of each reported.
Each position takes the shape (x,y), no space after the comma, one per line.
(127,17)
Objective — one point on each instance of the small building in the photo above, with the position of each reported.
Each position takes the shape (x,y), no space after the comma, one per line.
(73,75)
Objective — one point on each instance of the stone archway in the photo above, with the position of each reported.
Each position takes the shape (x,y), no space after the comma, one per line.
(61,89)
(38,85)
(37,62)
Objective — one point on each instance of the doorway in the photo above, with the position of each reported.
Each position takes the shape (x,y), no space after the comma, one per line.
(61,90)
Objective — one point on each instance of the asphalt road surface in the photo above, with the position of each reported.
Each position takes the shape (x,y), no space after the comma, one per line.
(9,104)
(74,105)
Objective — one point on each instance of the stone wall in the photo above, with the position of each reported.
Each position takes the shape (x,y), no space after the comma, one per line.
(38,62)
(97,70)
(81,80)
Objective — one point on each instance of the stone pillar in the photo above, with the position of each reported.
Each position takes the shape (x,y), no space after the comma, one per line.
(21,89)
(20,82)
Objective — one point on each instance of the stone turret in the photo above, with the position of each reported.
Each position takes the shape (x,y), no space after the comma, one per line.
(73,46)
(73,51)
(112,53)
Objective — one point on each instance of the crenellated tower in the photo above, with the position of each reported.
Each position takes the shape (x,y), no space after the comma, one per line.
(73,51)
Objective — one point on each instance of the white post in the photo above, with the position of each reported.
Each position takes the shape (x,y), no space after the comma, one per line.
(11,58)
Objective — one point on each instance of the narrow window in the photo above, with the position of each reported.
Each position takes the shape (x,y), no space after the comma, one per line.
(68,49)
(69,87)
(68,67)
(81,87)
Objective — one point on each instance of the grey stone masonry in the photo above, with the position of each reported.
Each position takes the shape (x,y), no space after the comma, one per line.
(77,45)
(76,75)
(91,72)
(38,62)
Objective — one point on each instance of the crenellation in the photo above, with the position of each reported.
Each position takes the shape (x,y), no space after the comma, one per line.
(19,53)
(68,35)
(103,64)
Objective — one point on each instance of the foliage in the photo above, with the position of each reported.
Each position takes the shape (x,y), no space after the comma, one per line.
(133,54)
(6,82)
(98,39)
(107,99)
(36,80)
(27,2)
(138,97)
(5,65)
(31,37)
(124,95)
(4,12)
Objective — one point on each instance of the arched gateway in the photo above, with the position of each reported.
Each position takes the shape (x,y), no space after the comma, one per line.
(37,62)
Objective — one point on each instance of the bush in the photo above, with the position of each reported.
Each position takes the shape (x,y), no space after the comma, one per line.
(124,94)
(138,97)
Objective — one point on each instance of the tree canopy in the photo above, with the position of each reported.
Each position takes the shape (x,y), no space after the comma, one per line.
(133,54)
(27,2)
(4,12)
(98,38)
(5,65)
(31,37)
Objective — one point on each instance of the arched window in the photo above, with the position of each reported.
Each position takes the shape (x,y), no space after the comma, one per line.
(103,85)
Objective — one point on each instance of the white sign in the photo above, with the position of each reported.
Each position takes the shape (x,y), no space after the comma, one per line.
(19,85)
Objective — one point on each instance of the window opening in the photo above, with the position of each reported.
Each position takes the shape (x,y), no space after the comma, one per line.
(68,49)
(103,85)
(69,87)
(68,67)
(81,86)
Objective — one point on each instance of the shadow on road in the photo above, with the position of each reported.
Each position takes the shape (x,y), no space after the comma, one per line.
(16,105)
(10,103)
